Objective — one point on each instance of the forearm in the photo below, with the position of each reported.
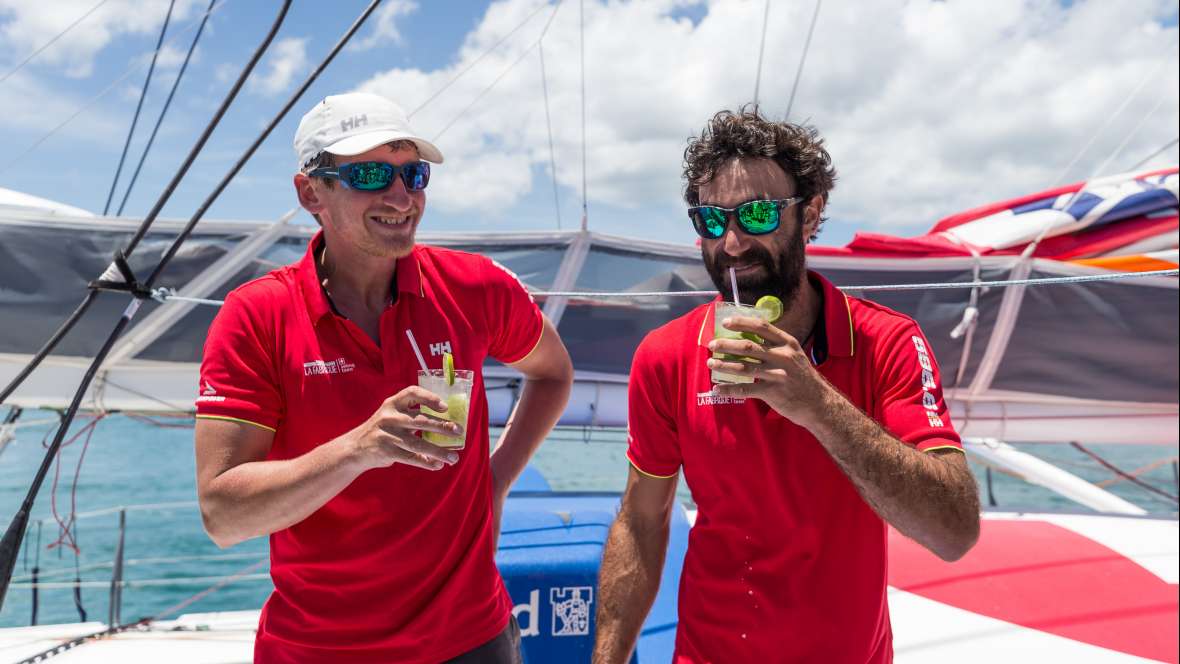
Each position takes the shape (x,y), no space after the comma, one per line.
(925,497)
(261,497)
(541,404)
(628,581)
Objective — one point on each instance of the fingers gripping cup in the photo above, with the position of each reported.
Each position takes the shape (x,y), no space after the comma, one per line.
(765,310)
(453,387)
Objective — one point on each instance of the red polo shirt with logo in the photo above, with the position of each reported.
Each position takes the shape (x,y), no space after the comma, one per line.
(786,562)
(399,566)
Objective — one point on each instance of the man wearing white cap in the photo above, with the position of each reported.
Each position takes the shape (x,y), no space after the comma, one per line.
(309,429)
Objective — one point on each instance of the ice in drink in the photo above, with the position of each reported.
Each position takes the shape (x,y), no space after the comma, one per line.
(723,310)
(457,396)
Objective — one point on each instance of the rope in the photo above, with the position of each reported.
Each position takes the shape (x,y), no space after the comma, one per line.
(549,129)
(761,50)
(803,58)
(1123,474)
(1139,471)
(51,41)
(1046,281)
(154,583)
(139,106)
(164,111)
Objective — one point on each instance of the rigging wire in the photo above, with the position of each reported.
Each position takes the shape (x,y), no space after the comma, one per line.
(147,81)
(949,285)
(13,161)
(1123,474)
(803,58)
(497,80)
(1151,156)
(549,130)
(167,103)
(49,43)
(761,50)
(1032,246)
(10,544)
(476,61)
(1109,119)
(582,46)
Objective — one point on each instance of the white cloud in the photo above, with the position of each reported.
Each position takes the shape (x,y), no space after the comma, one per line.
(927,107)
(26,25)
(385,30)
(286,58)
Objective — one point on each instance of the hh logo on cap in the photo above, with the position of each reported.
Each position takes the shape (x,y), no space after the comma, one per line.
(354,122)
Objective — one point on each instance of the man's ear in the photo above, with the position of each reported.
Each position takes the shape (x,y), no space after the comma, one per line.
(309,197)
(811,216)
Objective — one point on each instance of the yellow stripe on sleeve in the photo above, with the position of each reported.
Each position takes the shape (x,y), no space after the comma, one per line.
(944,447)
(647,474)
(236,419)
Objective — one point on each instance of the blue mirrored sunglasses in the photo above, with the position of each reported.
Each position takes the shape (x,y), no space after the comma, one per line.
(377,175)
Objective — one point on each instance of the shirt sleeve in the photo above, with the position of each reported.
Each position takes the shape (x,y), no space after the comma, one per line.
(911,405)
(238,376)
(514,319)
(653,446)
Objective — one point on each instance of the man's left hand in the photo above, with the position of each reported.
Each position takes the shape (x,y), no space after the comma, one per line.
(784,376)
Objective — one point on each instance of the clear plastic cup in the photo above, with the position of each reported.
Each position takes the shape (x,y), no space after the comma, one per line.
(458,400)
(721,311)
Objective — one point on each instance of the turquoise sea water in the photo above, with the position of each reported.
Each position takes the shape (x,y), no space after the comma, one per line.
(169,558)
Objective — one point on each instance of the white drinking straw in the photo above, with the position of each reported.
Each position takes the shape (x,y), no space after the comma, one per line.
(732,284)
(417,352)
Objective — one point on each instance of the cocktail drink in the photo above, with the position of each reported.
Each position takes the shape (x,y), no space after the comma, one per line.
(456,394)
(723,310)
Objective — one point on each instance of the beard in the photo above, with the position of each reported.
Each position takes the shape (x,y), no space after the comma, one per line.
(782,273)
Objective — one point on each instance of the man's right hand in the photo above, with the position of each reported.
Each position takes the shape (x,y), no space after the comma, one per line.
(389,436)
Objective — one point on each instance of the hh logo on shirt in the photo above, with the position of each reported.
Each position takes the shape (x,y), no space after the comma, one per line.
(440,348)
(322,368)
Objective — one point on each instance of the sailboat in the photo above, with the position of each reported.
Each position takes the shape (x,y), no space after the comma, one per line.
(1048,314)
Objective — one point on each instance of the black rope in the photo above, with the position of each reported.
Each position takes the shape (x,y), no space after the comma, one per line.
(1123,474)
(167,102)
(991,495)
(188,229)
(139,106)
(10,545)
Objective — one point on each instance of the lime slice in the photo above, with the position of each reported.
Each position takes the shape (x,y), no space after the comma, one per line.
(449,368)
(771,305)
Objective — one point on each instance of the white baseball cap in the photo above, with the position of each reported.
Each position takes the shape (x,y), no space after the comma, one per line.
(353,123)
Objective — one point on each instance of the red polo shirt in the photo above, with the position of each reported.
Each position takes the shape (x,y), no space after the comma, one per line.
(786,562)
(399,566)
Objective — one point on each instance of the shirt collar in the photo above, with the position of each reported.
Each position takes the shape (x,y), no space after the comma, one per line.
(408,276)
(837,331)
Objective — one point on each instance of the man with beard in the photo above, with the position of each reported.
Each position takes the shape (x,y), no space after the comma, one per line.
(309,420)
(796,474)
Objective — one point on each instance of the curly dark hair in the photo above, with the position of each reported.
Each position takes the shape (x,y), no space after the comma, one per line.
(798,149)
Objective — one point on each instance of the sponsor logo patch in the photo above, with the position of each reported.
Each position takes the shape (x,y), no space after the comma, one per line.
(323,368)
(209,394)
(711,398)
(928,382)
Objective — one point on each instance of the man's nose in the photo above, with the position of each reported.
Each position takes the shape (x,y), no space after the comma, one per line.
(734,242)
(397,197)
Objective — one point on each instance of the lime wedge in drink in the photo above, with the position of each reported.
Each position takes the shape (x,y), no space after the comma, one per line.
(772,306)
(449,366)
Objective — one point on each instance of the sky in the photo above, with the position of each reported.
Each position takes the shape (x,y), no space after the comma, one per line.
(927,107)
